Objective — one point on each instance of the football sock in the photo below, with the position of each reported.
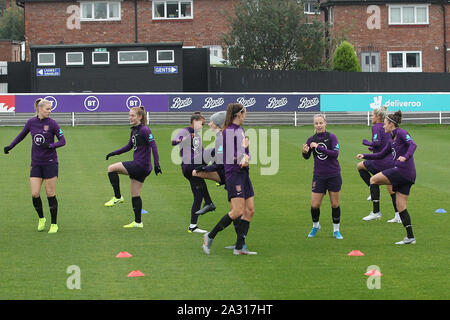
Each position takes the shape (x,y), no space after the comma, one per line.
(315,214)
(365,175)
(37,204)
(223,223)
(114,179)
(243,227)
(53,204)
(336,215)
(394,201)
(137,208)
(375,195)
(406,220)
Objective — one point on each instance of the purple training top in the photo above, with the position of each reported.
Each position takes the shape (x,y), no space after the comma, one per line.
(326,163)
(191,148)
(43,133)
(401,145)
(380,139)
(141,141)
(233,149)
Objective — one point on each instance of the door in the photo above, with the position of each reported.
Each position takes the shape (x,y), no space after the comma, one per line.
(370,61)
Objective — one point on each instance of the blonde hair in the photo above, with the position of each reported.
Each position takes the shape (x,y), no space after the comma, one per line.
(320,115)
(140,111)
(381,112)
(40,103)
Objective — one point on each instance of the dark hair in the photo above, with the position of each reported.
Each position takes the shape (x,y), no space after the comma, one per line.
(232,111)
(140,111)
(395,118)
(197,116)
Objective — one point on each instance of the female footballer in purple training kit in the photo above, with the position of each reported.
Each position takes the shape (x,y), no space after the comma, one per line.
(327,173)
(239,186)
(379,140)
(191,152)
(44,159)
(403,175)
(143,144)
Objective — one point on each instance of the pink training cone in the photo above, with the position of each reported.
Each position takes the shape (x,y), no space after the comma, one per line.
(373,272)
(123,254)
(356,253)
(135,273)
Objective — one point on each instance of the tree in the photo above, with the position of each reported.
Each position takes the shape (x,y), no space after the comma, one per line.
(274,35)
(12,24)
(345,58)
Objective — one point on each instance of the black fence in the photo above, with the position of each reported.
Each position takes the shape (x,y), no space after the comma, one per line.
(248,80)
(195,70)
(19,77)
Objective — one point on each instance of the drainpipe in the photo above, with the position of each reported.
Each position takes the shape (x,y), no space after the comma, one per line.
(445,34)
(135,22)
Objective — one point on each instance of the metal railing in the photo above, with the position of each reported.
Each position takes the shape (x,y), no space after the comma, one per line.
(253,118)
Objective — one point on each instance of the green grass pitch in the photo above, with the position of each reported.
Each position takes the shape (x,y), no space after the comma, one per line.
(288,265)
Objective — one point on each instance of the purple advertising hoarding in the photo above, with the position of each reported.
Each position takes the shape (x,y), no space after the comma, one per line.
(253,102)
(95,102)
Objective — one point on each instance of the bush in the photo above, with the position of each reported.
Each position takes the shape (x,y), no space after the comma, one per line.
(345,58)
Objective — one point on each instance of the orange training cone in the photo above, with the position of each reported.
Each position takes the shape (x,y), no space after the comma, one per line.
(135,273)
(373,272)
(123,254)
(356,253)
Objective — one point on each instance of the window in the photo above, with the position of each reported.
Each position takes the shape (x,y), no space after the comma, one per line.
(215,51)
(46,59)
(330,15)
(408,14)
(130,57)
(173,9)
(74,58)
(100,10)
(100,57)
(311,7)
(405,61)
(165,56)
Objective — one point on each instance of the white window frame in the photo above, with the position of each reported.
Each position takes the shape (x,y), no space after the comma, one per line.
(75,63)
(132,62)
(101,62)
(404,68)
(165,10)
(310,4)
(46,64)
(107,11)
(415,14)
(330,15)
(165,61)
(215,47)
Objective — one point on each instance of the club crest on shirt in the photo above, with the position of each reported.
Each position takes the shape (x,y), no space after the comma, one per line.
(45,128)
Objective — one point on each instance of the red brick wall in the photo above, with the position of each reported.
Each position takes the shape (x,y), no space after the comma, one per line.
(9,51)
(351,21)
(45,23)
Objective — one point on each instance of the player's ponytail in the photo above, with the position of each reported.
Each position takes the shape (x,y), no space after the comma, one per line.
(233,109)
(197,116)
(395,118)
(39,103)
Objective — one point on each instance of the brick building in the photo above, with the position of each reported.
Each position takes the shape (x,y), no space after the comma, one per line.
(10,50)
(197,23)
(388,36)
(394,36)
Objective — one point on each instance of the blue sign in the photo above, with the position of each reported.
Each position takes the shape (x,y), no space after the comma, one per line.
(48,72)
(405,102)
(166,69)
(215,102)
